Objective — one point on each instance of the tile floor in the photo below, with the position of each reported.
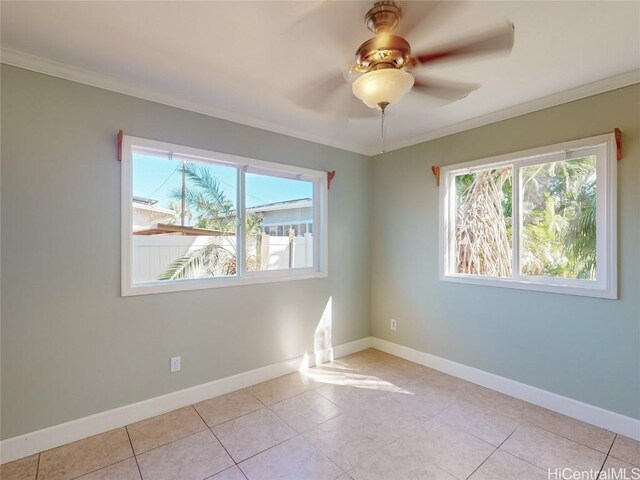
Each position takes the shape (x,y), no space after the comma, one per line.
(364,417)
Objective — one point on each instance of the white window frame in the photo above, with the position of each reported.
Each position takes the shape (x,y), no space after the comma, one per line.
(320,209)
(605,285)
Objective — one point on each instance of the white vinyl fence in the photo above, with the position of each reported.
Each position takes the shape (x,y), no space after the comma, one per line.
(153,254)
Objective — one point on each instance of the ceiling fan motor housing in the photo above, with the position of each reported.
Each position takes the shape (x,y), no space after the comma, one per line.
(383,17)
(384,50)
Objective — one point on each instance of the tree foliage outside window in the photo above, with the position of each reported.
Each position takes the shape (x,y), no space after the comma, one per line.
(558,230)
(559,219)
(212,210)
(483,223)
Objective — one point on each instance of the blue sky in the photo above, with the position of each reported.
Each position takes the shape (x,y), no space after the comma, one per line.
(158,177)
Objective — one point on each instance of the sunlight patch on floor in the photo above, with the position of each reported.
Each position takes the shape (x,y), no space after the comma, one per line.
(344,376)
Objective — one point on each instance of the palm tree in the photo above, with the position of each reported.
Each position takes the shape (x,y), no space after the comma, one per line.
(483,236)
(214,211)
(559,231)
(559,220)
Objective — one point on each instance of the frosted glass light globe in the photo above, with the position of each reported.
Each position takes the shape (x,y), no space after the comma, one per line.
(386,86)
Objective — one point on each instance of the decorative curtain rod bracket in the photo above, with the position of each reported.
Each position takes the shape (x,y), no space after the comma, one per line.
(436,172)
(119,144)
(330,176)
(618,133)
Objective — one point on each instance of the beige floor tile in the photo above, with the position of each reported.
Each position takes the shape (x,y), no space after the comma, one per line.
(626,449)
(294,459)
(395,461)
(616,468)
(306,410)
(340,375)
(232,473)
(367,368)
(397,374)
(437,396)
(125,470)
(575,430)
(548,450)
(406,403)
(157,431)
(23,469)
(282,388)
(366,357)
(371,415)
(405,368)
(503,466)
(253,433)
(227,407)
(438,381)
(191,458)
(506,405)
(84,456)
(481,422)
(449,448)
(352,398)
(333,373)
(347,440)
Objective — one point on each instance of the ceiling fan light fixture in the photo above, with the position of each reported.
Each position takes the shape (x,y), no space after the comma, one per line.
(385,86)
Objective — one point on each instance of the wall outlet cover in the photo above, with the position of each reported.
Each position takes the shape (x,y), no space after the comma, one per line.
(175,364)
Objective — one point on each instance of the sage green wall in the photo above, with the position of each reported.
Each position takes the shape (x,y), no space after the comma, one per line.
(583,348)
(71,346)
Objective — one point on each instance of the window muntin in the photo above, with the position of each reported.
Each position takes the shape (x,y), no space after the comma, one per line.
(189,218)
(553,191)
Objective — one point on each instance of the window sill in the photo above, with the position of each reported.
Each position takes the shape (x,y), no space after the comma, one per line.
(149,288)
(609,292)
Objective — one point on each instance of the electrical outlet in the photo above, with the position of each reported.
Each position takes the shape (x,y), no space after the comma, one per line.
(175,364)
(394,324)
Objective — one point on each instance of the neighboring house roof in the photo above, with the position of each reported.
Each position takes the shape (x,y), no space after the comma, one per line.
(286,205)
(163,228)
(144,200)
(154,210)
(146,214)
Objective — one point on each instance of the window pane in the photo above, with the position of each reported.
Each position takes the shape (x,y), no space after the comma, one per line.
(559,219)
(483,223)
(184,219)
(284,203)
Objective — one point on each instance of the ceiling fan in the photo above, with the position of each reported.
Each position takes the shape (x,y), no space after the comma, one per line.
(384,63)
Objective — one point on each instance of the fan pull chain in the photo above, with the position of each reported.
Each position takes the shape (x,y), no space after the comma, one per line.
(383,107)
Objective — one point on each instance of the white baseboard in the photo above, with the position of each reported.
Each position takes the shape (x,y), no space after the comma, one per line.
(612,421)
(40,440)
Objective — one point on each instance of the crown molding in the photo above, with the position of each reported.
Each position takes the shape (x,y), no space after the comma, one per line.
(38,64)
(566,96)
(27,61)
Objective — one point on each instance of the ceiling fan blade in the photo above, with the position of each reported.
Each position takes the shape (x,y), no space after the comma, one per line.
(447,90)
(493,41)
(332,95)
(315,96)
(342,103)
(332,23)
(423,14)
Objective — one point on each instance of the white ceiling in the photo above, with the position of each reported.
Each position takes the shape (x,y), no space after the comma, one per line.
(252,61)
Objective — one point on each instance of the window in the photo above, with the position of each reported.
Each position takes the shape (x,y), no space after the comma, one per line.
(542,219)
(196,219)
